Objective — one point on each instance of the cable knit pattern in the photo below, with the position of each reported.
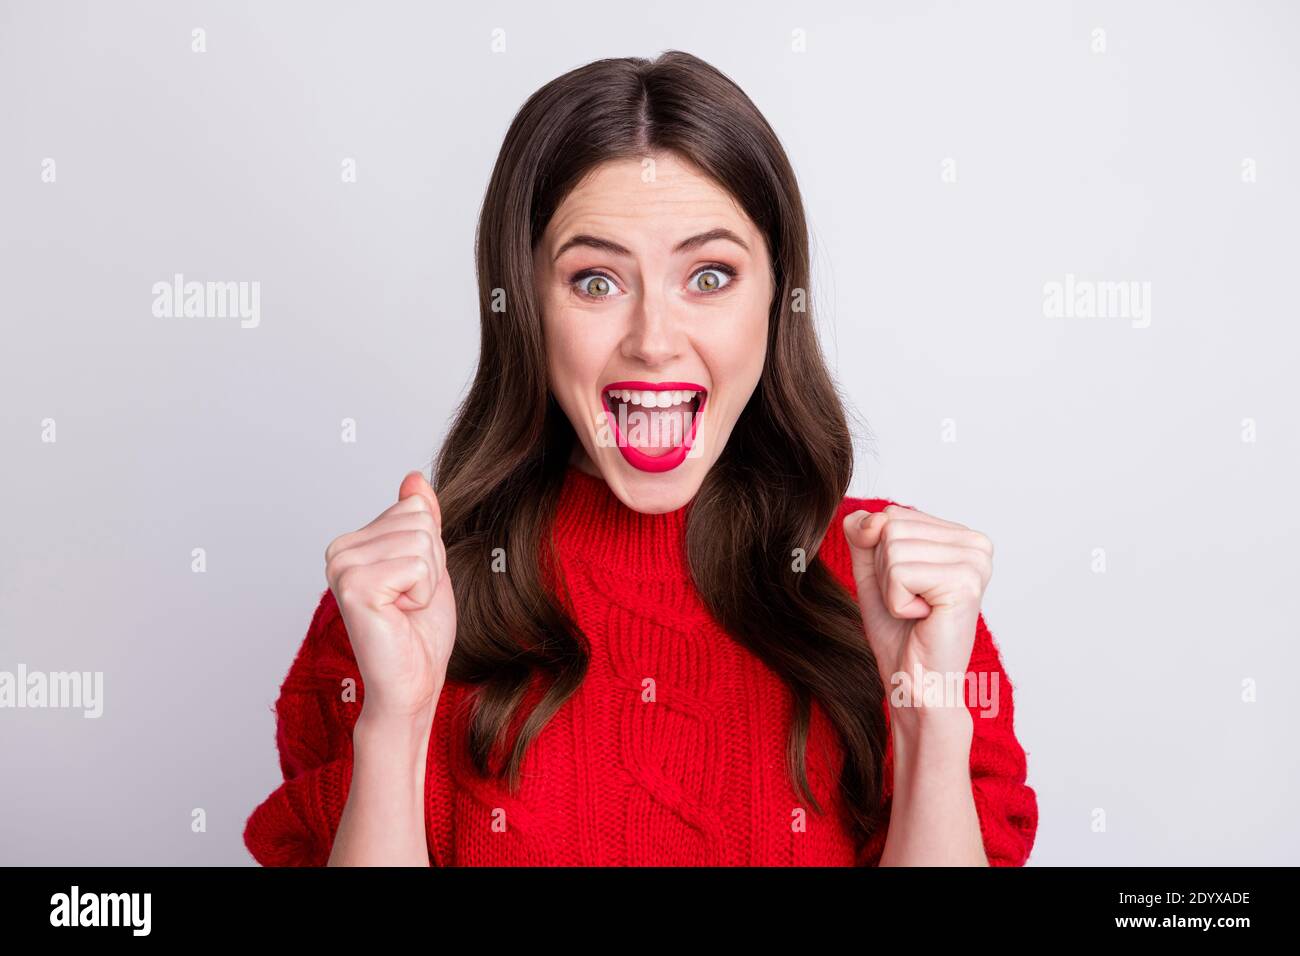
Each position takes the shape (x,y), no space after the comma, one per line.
(672,752)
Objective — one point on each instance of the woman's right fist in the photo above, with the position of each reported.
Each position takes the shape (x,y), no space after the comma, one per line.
(390,582)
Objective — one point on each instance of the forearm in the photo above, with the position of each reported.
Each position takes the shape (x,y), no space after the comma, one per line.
(383,820)
(933,820)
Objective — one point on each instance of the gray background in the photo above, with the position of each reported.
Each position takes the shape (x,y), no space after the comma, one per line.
(1072,434)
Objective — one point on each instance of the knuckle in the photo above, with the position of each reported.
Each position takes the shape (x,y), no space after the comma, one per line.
(346,586)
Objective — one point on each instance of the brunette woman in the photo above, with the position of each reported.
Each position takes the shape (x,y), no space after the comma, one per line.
(634,620)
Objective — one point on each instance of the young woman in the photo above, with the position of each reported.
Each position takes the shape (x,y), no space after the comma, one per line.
(638,622)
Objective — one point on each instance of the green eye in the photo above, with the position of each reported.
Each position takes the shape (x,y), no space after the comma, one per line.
(712,278)
(594,285)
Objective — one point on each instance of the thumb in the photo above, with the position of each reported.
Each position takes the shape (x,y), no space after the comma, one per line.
(862,549)
(415,484)
(862,531)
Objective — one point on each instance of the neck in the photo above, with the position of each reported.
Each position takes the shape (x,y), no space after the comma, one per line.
(592,523)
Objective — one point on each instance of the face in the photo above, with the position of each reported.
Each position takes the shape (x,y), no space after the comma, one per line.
(655,289)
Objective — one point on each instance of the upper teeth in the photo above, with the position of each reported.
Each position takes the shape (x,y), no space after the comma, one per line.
(661,398)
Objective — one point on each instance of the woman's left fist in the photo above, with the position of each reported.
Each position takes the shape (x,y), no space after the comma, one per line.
(920,582)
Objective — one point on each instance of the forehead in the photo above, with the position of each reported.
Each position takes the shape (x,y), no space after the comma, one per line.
(627,199)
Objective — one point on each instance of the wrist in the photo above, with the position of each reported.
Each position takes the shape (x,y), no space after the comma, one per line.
(376,731)
(952,724)
(398,715)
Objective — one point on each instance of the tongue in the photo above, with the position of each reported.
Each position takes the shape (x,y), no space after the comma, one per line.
(656,431)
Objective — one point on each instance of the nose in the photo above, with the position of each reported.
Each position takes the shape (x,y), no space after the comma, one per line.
(654,338)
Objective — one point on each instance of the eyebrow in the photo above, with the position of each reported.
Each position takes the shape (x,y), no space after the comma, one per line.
(608,245)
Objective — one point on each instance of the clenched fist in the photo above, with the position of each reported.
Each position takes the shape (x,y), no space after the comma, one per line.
(390,582)
(920,581)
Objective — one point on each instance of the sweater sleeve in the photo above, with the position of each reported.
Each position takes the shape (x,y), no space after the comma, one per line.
(1006,806)
(315,713)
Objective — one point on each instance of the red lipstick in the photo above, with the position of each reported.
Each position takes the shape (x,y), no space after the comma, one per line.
(635,456)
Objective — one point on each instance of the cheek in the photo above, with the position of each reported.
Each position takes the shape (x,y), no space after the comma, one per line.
(575,352)
(736,345)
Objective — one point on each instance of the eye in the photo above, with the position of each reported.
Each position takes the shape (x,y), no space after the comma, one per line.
(713,278)
(594,285)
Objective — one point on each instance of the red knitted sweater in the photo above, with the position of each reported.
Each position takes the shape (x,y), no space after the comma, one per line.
(696,777)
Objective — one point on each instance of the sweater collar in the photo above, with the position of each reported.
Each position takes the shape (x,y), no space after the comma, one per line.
(593,524)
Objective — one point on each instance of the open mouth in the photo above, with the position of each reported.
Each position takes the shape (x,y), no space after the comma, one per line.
(654,421)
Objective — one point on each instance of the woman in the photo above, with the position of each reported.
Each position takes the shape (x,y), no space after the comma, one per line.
(638,622)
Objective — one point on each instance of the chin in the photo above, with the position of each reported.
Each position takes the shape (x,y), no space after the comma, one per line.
(652,492)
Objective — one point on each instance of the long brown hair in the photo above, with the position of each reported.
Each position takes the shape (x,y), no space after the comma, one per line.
(775,487)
